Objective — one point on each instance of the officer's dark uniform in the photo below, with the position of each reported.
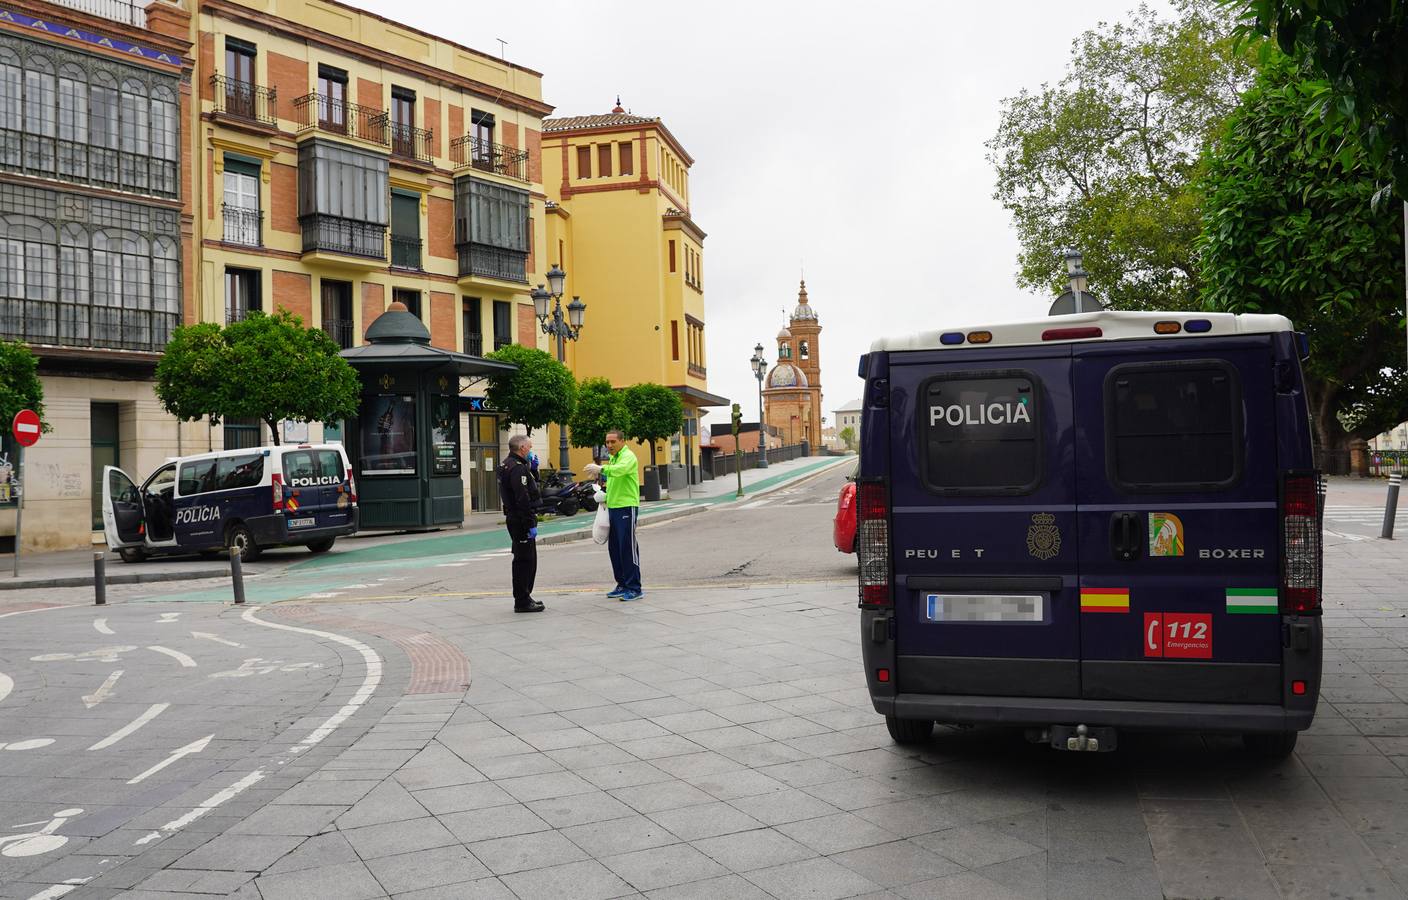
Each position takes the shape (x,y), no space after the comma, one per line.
(518,490)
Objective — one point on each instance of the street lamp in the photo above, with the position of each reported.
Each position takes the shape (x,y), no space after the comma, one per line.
(760,367)
(1077,276)
(563,327)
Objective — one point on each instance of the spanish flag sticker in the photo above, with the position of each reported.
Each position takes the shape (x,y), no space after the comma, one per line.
(1104,600)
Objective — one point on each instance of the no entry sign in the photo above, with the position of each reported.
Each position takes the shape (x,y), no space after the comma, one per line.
(26,427)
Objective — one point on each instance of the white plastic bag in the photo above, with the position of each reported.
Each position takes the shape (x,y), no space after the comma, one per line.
(601,527)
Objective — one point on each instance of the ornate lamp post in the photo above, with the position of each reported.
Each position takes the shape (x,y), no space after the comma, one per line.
(563,327)
(760,368)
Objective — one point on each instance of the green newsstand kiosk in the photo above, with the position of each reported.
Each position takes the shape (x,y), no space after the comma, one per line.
(405,440)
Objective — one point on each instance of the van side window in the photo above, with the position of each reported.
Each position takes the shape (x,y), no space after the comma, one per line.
(981,433)
(1173,426)
(298,469)
(330,465)
(197,477)
(239,471)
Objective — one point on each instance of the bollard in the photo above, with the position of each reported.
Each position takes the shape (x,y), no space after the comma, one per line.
(1390,506)
(100,579)
(237,574)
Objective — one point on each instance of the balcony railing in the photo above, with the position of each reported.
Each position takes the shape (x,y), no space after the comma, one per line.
(238,313)
(322,113)
(489,157)
(340,330)
(492,262)
(405,252)
(243,226)
(411,142)
(501,342)
(81,325)
(474,343)
(347,236)
(116,10)
(244,100)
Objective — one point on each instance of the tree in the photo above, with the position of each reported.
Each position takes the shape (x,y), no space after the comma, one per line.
(262,367)
(20,387)
(653,413)
(1289,228)
(1358,45)
(540,391)
(600,408)
(848,437)
(1103,161)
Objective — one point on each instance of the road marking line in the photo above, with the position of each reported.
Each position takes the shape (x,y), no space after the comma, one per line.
(216,638)
(102,626)
(168,617)
(183,659)
(103,692)
(214,801)
(7,684)
(31,744)
(192,747)
(152,712)
(53,892)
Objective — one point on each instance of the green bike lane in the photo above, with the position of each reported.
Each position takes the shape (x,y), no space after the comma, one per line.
(366,567)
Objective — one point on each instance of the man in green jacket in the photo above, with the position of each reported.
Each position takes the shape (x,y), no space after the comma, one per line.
(622,506)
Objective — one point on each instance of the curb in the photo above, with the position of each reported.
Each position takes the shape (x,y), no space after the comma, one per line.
(134,578)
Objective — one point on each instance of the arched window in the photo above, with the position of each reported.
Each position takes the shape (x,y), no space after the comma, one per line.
(103,129)
(74,297)
(166,291)
(804,351)
(11,119)
(28,271)
(136,134)
(784,351)
(40,115)
(165,141)
(73,122)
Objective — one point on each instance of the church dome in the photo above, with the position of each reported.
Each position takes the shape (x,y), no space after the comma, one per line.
(786,375)
(784,335)
(803,311)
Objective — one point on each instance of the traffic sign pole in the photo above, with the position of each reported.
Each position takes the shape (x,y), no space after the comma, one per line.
(19,507)
(26,428)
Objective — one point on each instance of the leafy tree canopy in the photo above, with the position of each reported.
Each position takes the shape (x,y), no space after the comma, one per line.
(848,437)
(20,387)
(600,407)
(542,390)
(1359,45)
(1288,228)
(654,412)
(1103,160)
(266,367)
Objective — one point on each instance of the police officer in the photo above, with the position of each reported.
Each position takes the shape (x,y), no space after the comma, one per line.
(518,490)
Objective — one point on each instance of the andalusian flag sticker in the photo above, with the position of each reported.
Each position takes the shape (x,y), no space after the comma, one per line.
(1104,600)
(1252,601)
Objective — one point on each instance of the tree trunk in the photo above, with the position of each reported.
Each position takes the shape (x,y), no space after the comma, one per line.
(652,454)
(273,430)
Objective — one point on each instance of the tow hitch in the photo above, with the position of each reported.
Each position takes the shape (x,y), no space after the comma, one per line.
(1080,738)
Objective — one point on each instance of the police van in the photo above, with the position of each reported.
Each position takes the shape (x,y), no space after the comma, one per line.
(248,499)
(1101,522)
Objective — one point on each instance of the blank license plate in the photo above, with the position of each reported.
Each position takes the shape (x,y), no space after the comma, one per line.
(301,523)
(986,607)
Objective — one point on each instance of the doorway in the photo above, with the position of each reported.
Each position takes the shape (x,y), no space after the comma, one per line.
(104,451)
(483,440)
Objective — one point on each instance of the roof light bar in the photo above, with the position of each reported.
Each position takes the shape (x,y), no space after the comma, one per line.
(951,337)
(980,337)
(1197,326)
(1167,328)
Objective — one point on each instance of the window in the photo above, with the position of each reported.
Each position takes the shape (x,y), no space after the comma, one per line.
(503,324)
(196,477)
(136,134)
(403,122)
(411,299)
(239,471)
(239,74)
(11,118)
(481,144)
(241,293)
(405,229)
(336,299)
(343,199)
(603,160)
(981,433)
(40,115)
(103,124)
(491,229)
(672,255)
(1173,426)
(165,151)
(804,351)
(243,219)
(627,161)
(473,327)
(300,468)
(73,123)
(674,339)
(584,162)
(242,433)
(332,99)
(332,465)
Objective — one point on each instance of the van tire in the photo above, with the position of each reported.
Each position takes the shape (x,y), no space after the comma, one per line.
(238,536)
(1275,745)
(322,546)
(132,554)
(909,731)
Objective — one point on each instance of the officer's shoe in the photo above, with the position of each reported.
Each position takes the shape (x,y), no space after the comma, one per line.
(616,594)
(535,606)
(632,595)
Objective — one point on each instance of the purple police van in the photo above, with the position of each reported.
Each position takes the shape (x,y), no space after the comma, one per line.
(1092,523)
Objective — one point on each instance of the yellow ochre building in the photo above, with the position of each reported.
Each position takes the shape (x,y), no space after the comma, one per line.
(618,221)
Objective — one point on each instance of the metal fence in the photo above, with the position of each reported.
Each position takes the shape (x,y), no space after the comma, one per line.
(1383,463)
(729,463)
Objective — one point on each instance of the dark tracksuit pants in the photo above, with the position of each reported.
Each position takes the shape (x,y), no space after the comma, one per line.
(625,553)
(525,559)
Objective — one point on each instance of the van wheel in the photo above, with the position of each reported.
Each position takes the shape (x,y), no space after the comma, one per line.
(239,538)
(909,731)
(1276,745)
(132,554)
(322,546)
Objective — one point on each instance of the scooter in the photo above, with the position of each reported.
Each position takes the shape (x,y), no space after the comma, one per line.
(559,494)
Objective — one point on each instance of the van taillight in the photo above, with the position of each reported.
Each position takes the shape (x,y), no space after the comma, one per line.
(1301,560)
(278,492)
(351,485)
(873,543)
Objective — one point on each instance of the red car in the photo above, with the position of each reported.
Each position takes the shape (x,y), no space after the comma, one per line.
(843,528)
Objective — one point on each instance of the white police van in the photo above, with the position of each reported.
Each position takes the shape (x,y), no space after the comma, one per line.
(248,499)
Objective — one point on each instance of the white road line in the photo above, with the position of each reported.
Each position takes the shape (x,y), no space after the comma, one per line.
(216,638)
(7,684)
(214,801)
(168,617)
(183,659)
(152,712)
(1348,537)
(192,747)
(102,626)
(103,692)
(60,890)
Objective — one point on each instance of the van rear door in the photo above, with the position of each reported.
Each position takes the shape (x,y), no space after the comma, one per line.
(123,512)
(982,498)
(1179,539)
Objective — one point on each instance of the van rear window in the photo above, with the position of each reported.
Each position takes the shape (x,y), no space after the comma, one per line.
(981,433)
(197,477)
(1174,426)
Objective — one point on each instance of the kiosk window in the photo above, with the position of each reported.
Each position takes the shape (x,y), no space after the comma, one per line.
(239,471)
(981,434)
(197,477)
(1174,426)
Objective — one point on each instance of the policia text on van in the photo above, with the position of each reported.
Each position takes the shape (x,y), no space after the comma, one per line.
(1062,528)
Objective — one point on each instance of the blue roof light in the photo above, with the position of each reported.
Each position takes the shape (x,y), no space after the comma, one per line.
(1197,326)
(951,337)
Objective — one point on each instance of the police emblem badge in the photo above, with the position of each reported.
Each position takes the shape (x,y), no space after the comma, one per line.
(1043,537)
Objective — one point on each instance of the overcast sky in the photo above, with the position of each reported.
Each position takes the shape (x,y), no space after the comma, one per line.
(847,137)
